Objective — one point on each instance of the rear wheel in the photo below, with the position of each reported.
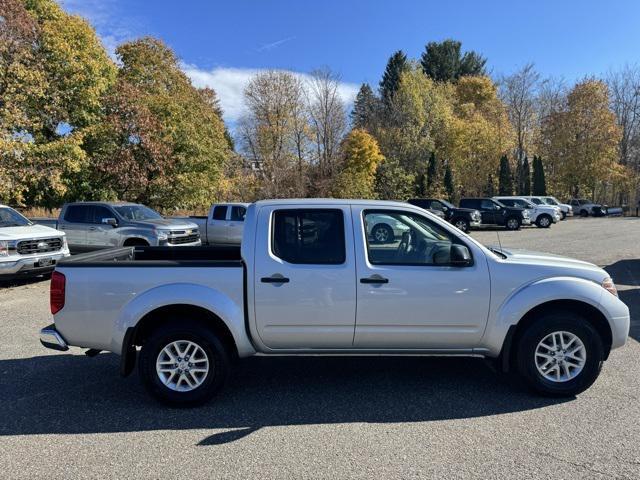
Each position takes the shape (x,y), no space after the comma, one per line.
(382,233)
(461,224)
(183,364)
(513,223)
(544,221)
(135,242)
(584,213)
(560,354)
(564,215)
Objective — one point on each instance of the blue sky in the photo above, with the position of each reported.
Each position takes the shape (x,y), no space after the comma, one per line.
(223,43)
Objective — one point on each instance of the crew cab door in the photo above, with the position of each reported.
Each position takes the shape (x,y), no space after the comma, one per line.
(75,224)
(304,278)
(490,214)
(235,223)
(216,225)
(409,294)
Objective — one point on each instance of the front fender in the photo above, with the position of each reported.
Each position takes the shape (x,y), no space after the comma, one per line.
(515,306)
(125,233)
(207,298)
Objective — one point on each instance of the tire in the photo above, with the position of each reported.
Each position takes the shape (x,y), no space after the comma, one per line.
(543,328)
(564,215)
(513,223)
(135,242)
(217,358)
(461,224)
(544,221)
(382,233)
(584,213)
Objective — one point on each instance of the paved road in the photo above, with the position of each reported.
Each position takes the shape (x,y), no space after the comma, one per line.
(68,416)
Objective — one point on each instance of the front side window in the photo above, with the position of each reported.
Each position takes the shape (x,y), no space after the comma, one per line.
(220,212)
(100,213)
(508,202)
(405,238)
(309,236)
(238,213)
(487,205)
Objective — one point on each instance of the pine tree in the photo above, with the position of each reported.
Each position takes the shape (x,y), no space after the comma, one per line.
(365,108)
(448,182)
(490,189)
(539,181)
(505,180)
(390,82)
(432,172)
(525,178)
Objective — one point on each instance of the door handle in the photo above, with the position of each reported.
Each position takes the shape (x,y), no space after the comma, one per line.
(375,279)
(275,279)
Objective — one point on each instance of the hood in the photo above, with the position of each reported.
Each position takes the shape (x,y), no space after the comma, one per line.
(28,231)
(168,223)
(555,263)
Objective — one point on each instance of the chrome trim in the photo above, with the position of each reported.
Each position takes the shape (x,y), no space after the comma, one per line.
(50,338)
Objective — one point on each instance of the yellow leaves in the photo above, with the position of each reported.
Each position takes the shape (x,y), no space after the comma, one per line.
(361,160)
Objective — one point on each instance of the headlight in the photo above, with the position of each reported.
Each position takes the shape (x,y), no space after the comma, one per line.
(476,216)
(525,213)
(609,286)
(162,235)
(4,248)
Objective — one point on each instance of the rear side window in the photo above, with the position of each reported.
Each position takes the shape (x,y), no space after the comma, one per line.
(219,212)
(238,213)
(469,203)
(313,236)
(78,214)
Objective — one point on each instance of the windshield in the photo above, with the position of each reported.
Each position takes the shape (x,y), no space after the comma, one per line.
(447,204)
(537,201)
(137,212)
(10,218)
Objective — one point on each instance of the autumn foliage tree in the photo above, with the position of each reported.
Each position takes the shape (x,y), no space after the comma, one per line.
(361,160)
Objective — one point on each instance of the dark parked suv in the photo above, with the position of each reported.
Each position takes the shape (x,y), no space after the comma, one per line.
(463,218)
(496,213)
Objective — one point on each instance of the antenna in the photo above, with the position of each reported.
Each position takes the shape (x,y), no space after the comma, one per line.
(499,243)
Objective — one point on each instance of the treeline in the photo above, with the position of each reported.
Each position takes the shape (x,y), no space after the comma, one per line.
(76,124)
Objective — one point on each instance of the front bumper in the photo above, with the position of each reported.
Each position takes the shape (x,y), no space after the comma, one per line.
(18,266)
(526,221)
(51,338)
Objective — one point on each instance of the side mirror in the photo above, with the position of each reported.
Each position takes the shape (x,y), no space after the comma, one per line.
(460,256)
(110,221)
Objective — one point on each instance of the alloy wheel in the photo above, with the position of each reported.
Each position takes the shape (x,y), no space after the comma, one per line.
(182,365)
(560,356)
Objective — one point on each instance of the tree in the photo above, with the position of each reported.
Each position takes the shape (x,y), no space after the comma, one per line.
(361,160)
(518,92)
(443,61)
(539,182)
(163,142)
(448,182)
(394,182)
(524,181)
(490,189)
(396,65)
(624,88)
(505,179)
(366,108)
(580,141)
(328,121)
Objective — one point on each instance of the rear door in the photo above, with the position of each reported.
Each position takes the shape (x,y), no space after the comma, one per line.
(217,225)
(235,223)
(304,278)
(74,223)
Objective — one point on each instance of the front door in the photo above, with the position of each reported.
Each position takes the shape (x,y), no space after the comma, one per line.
(304,279)
(236,222)
(99,234)
(488,212)
(409,294)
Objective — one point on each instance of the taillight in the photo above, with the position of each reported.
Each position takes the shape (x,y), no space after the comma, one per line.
(56,292)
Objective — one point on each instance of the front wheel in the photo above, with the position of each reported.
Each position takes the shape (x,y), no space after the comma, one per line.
(183,364)
(382,233)
(544,221)
(461,224)
(513,223)
(560,355)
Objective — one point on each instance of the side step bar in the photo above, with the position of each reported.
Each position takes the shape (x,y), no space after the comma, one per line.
(51,338)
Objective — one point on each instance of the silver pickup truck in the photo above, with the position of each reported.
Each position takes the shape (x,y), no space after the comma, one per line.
(223,225)
(96,225)
(309,278)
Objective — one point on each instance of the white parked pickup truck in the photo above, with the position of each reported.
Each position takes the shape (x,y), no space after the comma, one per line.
(27,249)
(309,279)
(223,225)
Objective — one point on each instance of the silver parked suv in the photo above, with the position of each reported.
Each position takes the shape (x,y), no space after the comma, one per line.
(96,225)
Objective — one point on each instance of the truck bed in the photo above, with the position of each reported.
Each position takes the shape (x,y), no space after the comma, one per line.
(165,256)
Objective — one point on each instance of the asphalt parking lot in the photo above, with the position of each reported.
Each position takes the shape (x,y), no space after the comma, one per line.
(65,415)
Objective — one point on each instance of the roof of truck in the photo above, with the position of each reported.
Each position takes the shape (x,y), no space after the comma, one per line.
(98,202)
(331,201)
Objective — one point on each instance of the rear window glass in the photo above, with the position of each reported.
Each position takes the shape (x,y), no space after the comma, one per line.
(238,213)
(313,236)
(220,213)
(78,214)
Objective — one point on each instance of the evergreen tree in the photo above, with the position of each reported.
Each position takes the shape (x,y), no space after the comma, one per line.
(490,189)
(448,182)
(365,108)
(390,82)
(525,178)
(505,180)
(443,61)
(539,181)
(432,171)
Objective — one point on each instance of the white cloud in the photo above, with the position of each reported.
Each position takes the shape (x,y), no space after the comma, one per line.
(229,84)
